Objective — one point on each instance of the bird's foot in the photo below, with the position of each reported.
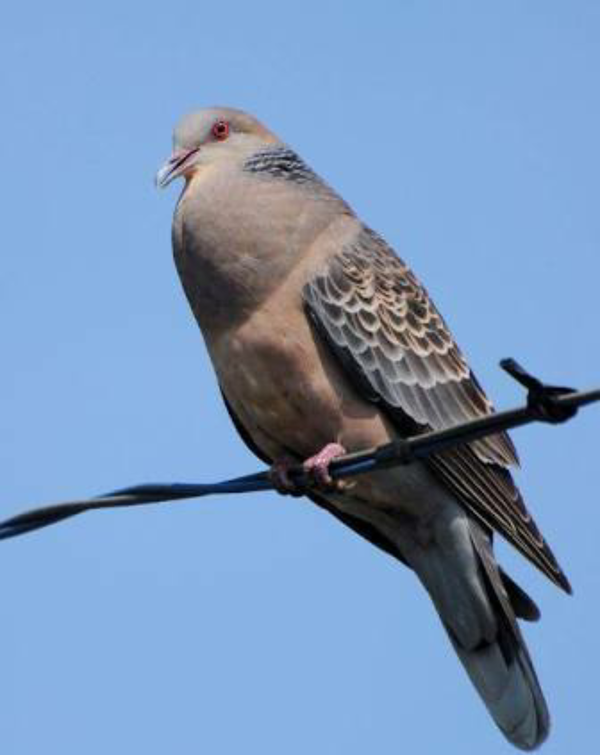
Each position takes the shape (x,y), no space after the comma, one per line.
(316,469)
(279,474)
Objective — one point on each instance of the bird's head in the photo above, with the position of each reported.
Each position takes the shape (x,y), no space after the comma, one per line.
(209,136)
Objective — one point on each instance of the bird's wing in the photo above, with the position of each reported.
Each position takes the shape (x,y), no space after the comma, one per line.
(385,330)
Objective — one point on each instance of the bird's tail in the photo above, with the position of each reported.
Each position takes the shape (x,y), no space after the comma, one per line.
(503,674)
(479,616)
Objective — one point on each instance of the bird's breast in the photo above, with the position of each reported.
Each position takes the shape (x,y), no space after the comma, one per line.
(276,387)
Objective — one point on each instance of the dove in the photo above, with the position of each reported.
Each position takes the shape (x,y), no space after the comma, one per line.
(324,342)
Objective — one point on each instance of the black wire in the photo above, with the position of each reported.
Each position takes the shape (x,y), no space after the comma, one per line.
(549,404)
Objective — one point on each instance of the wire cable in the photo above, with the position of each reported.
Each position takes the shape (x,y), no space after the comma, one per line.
(545,403)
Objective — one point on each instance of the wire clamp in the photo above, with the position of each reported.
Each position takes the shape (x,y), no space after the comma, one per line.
(541,398)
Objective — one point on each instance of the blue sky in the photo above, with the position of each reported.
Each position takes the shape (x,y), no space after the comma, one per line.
(467,134)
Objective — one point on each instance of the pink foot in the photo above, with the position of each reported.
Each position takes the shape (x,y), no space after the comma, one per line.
(317,467)
(279,473)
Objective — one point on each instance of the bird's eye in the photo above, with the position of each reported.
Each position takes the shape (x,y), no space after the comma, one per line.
(220,130)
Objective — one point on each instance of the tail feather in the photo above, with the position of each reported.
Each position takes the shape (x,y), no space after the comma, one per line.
(520,710)
(509,688)
(470,595)
(522,605)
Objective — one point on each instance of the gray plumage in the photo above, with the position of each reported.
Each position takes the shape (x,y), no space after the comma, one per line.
(319,333)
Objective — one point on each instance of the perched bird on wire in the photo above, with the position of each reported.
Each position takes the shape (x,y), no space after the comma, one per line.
(325,342)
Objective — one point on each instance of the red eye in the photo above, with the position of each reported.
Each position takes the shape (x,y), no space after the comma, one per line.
(220,130)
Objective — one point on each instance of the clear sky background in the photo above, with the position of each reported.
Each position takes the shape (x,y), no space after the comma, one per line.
(467,134)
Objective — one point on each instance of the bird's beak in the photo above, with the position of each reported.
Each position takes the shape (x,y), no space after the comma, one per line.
(177,165)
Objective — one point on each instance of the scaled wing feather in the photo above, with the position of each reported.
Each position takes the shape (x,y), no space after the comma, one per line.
(382,325)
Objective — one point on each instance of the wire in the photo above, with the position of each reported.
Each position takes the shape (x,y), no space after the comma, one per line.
(545,403)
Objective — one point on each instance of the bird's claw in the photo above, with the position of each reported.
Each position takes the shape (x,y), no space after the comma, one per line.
(316,468)
(316,471)
(279,474)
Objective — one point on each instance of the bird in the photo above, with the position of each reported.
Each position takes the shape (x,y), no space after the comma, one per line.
(324,342)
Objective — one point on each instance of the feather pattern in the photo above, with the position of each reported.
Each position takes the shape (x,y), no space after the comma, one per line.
(386,331)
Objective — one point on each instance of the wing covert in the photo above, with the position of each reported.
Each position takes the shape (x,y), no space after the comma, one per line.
(384,328)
